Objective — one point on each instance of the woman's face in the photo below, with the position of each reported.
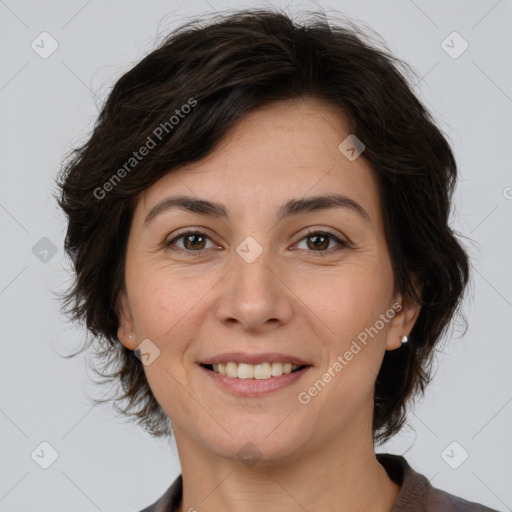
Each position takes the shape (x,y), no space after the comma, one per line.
(253,282)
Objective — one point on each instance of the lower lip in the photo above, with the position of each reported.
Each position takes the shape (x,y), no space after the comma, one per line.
(255,387)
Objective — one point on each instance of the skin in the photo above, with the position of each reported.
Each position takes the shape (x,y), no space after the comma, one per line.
(305,301)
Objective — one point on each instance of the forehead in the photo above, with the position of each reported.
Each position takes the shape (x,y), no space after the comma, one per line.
(281,151)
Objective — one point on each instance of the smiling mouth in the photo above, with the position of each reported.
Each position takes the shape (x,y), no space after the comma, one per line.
(257,371)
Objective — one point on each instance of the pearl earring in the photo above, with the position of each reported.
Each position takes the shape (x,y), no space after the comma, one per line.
(404,339)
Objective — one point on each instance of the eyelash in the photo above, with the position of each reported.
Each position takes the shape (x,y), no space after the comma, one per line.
(332,236)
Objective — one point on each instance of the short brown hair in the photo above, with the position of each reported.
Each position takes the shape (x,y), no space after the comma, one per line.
(230,66)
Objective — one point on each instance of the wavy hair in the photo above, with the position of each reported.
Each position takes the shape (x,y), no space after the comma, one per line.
(230,65)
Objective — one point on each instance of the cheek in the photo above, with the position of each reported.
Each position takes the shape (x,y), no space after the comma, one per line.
(169,308)
(153,308)
(349,299)
(161,296)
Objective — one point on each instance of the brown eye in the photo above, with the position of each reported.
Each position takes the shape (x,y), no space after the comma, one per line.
(318,241)
(193,241)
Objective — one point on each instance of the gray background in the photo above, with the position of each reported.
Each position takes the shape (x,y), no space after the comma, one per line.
(48,105)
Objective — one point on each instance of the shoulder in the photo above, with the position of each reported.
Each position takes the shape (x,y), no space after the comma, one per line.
(170,500)
(417,493)
(438,500)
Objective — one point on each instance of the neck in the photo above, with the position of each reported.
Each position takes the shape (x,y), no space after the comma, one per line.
(341,470)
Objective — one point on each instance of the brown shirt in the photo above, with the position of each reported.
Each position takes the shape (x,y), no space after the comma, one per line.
(416,492)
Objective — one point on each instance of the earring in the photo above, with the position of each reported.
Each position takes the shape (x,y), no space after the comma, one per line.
(404,339)
(130,334)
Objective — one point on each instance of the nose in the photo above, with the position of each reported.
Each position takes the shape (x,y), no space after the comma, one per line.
(255,296)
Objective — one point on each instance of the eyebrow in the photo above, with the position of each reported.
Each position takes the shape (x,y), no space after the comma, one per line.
(290,208)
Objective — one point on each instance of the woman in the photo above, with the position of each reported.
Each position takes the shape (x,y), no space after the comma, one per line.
(259,230)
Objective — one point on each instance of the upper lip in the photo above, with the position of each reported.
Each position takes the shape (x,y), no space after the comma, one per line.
(248,358)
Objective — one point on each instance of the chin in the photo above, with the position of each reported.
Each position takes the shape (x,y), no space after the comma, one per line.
(254,446)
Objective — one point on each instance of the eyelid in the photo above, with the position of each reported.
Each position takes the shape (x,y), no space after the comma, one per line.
(342,244)
(189,231)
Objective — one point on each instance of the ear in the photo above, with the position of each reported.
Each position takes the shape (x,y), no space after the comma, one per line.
(126,325)
(405,317)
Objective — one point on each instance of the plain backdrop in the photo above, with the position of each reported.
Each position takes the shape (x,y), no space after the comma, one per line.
(49,104)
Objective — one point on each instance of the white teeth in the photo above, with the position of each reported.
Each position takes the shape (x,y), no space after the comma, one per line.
(277,369)
(250,371)
(231,369)
(262,371)
(245,371)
